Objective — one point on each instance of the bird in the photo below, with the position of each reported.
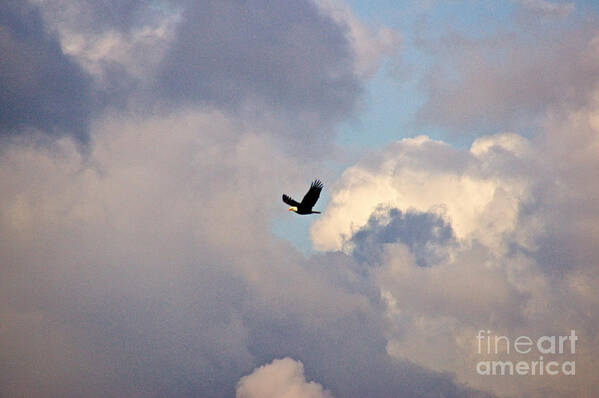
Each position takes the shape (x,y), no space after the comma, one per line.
(309,200)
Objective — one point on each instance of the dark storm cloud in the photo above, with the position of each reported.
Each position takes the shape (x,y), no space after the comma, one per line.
(423,233)
(39,86)
(285,54)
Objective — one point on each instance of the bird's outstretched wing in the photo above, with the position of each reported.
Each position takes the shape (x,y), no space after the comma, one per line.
(290,201)
(312,195)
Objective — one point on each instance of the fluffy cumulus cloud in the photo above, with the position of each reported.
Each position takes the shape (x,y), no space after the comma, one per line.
(283,378)
(146,266)
(297,66)
(142,263)
(115,297)
(480,201)
(508,227)
(143,150)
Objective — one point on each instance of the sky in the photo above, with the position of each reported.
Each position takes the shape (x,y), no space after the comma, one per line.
(145,250)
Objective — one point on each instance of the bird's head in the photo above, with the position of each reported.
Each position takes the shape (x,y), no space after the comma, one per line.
(293,208)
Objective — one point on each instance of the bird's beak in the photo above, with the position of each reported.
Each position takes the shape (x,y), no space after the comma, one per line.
(293,208)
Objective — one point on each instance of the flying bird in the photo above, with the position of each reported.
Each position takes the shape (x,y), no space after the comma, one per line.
(309,200)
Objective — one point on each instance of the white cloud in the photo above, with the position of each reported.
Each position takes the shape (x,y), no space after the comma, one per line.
(137,226)
(282,378)
(426,175)
(510,142)
(153,247)
(138,51)
(147,264)
(525,223)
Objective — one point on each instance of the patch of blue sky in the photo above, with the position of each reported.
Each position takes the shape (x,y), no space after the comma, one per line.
(586,7)
(393,96)
(388,108)
(295,228)
(472,16)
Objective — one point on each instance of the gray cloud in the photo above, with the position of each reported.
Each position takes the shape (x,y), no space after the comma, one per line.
(148,266)
(98,16)
(522,261)
(151,270)
(40,87)
(291,66)
(288,55)
(508,80)
(423,233)
(547,8)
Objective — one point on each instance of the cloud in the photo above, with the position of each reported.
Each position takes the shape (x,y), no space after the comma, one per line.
(423,233)
(478,202)
(507,80)
(521,258)
(95,17)
(369,45)
(289,57)
(147,264)
(295,67)
(99,269)
(547,8)
(281,378)
(41,87)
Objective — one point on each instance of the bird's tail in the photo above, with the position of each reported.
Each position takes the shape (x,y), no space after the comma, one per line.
(315,212)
